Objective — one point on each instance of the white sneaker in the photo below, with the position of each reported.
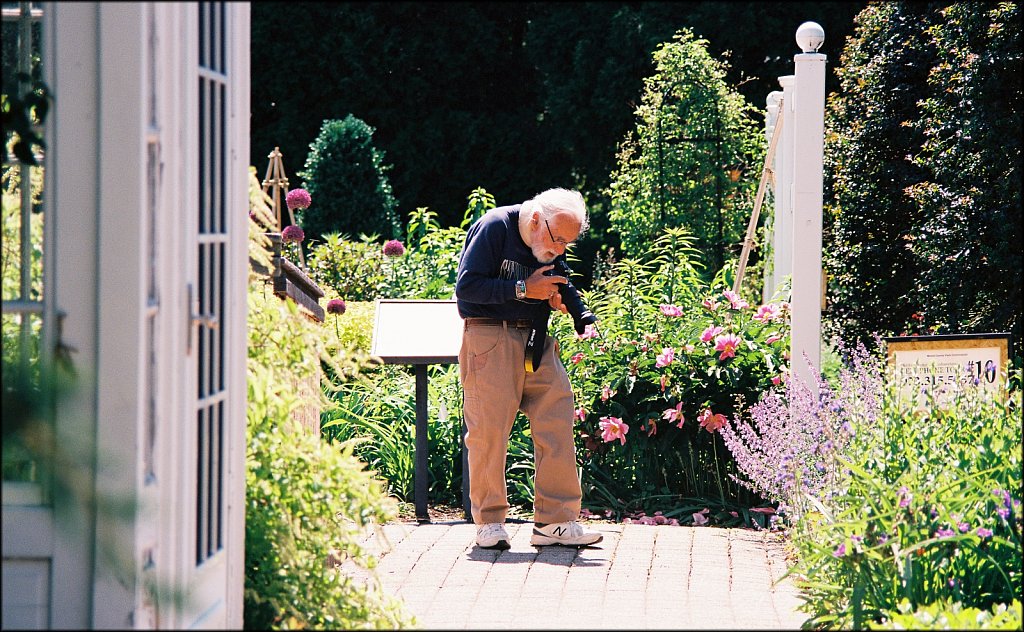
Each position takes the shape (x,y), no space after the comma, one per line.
(492,536)
(564,533)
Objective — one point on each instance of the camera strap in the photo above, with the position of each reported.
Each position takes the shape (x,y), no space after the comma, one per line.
(535,344)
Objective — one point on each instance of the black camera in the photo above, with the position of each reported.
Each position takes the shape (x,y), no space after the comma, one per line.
(581,314)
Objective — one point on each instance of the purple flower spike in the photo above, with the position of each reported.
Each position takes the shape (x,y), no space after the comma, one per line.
(298,198)
(292,234)
(336,306)
(394,248)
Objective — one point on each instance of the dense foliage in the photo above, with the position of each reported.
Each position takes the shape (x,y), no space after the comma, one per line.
(923,159)
(514,97)
(309,503)
(684,166)
(347,177)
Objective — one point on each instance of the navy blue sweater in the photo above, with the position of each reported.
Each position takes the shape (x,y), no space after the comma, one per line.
(493,258)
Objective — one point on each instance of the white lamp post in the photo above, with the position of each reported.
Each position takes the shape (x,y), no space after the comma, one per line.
(808,149)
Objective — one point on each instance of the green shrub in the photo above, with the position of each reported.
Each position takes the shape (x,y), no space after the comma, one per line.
(307,500)
(347,179)
(673,171)
(650,369)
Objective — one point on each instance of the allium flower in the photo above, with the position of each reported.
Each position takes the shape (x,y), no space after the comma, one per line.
(671,310)
(735,302)
(336,306)
(674,415)
(709,334)
(576,359)
(292,234)
(613,428)
(767,313)
(984,533)
(394,248)
(668,354)
(298,198)
(727,344)
(710,421)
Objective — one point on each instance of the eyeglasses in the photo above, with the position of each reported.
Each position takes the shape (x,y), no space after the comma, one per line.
(558,240)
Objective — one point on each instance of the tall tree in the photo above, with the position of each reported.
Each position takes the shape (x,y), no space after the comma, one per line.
(868,140)
(969,242)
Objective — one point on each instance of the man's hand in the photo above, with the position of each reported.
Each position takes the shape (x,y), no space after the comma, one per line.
(540,286)
(556,303)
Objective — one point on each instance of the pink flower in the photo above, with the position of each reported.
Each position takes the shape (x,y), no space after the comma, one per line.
(576,359)
(581,414)
(589,332)
(674,415)
(613,428)
(727,344)
(664,382)
(710,333)
(668,354)
(292,234)
(776,380)
(298,198)
(335,306)
(773,338)
(671,310)
(700,518)
(840,550)
(607,393)
(767,313)
(735,302)
(394,248)
(710,303)
(710,421)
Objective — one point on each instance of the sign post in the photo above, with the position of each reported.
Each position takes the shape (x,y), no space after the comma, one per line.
(420,332)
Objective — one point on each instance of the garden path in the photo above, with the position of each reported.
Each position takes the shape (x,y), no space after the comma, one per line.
(638,577)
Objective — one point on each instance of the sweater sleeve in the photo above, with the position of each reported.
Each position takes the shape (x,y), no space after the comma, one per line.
(478,272)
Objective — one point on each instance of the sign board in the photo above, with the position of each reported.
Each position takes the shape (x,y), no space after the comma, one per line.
(417,331)
(421,332)
(939,366)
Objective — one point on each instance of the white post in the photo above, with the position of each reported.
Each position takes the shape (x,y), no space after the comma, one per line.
(808,145)
(783,264)
(770,121)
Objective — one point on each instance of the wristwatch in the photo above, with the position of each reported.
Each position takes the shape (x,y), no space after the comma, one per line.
(520,289)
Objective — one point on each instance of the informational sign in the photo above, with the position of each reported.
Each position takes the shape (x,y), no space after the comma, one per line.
(934,368)
(421,332)
(408,331)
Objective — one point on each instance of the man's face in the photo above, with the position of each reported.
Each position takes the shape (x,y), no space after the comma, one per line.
(552,237)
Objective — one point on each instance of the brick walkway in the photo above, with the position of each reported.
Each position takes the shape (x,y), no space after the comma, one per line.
(639,576)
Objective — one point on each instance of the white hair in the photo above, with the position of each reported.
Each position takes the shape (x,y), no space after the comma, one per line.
(555,201)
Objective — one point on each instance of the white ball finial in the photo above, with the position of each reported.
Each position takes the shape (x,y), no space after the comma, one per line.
(810,36)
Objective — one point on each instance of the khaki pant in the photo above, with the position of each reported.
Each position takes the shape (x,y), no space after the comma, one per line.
(496,384)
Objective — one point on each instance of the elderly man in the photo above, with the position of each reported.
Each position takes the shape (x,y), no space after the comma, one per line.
(505,299)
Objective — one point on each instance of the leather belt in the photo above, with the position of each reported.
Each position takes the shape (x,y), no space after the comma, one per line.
(497,322)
